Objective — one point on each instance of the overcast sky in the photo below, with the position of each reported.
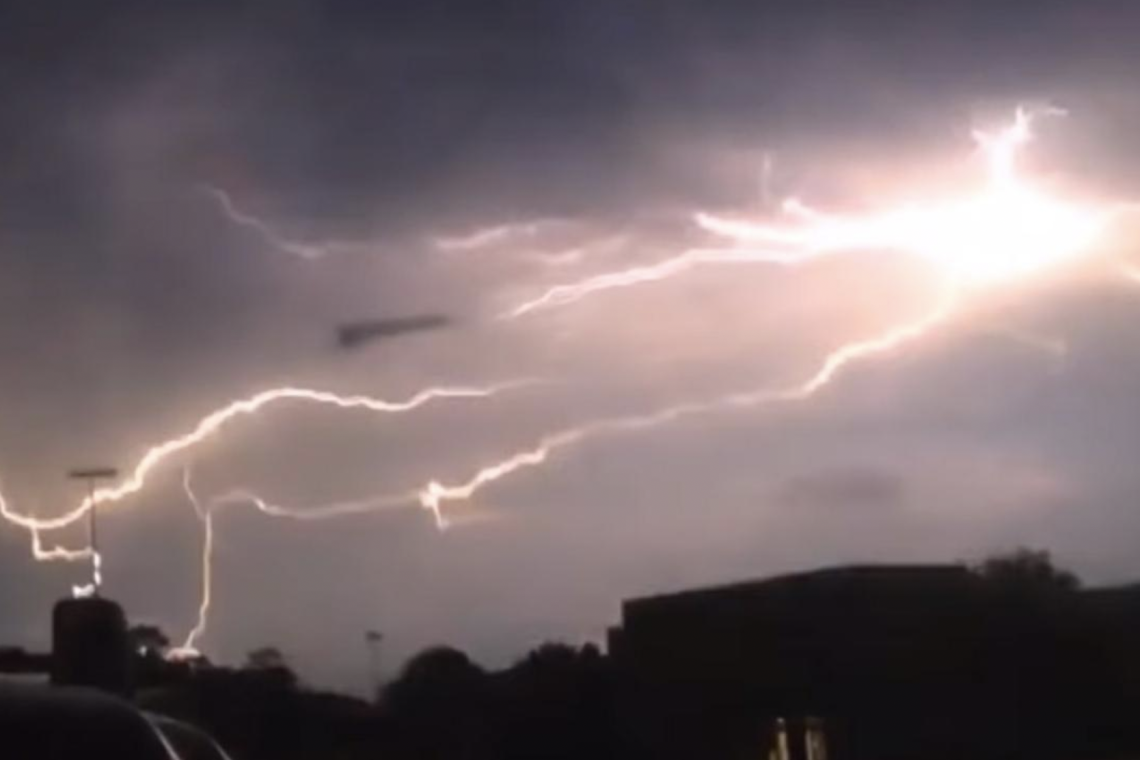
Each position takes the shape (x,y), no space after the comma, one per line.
(130,305)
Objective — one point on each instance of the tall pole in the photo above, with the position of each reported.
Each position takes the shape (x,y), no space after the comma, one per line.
(92,475)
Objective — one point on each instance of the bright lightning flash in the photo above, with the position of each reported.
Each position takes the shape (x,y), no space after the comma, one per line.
(206,428)
(1006,232)
(188,650)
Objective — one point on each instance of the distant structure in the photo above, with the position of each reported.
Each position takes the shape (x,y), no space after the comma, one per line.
(881,663)
(91,476)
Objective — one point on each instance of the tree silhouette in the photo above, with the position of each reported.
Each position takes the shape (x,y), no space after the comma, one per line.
(269,663)
(265,658)
(148,640)
(438,701)
(1027,570)
(556,703)
(553,656)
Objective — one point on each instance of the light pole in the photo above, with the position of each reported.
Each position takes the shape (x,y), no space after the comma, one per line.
(92,475)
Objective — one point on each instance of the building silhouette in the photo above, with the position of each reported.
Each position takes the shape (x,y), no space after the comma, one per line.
(891,661)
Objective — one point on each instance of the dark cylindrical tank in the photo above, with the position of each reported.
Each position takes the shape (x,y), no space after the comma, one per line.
(90,645)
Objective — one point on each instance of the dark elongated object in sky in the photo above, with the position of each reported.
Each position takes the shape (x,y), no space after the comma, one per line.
(355,334)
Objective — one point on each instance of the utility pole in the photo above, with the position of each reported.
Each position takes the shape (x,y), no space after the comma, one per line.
(92,475)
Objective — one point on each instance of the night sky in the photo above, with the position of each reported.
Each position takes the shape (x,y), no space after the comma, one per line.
(131,306)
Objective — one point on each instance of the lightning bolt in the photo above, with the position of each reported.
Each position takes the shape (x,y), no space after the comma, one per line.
(206,513)
(269,235)
(551,243)
(495,235)
(563,295)
(1008,231)
(188,649)
(308,514)
(208,427)
(435,494)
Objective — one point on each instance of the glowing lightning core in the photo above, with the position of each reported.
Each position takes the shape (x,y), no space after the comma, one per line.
(1006,231)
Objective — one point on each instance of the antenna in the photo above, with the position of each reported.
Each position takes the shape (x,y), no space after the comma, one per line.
(92,475)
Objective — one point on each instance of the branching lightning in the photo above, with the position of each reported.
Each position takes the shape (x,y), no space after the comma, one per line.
(435,494)
(188,647)
(551,243)
(1008,230)
(206,428)
(1005,232)
(563,295)
(270,235)
(488,236)
(206,512)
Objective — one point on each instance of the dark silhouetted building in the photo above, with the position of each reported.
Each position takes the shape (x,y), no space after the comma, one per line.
(895,661)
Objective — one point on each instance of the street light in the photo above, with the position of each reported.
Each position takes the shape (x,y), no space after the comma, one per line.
(92,475)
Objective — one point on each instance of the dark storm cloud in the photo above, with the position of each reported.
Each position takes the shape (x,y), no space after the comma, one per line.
(351,110)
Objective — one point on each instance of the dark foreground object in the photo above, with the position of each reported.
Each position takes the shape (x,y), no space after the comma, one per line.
(61,723)
(861,663)
(89,645)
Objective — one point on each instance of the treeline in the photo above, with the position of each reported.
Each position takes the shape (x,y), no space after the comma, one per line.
(557,702)
(561,702)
